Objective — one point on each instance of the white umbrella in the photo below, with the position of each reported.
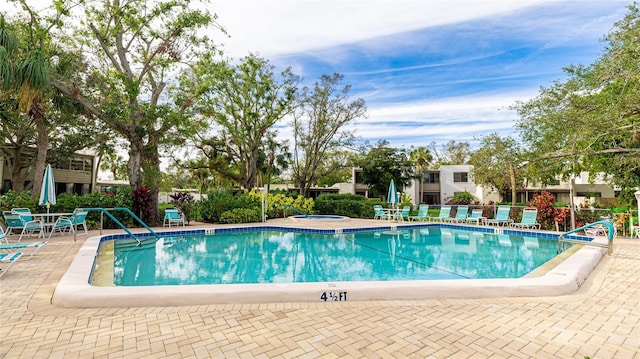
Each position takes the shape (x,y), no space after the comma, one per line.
(48,190)
(392,195)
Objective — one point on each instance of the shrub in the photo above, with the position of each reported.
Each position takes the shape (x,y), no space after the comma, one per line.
(184,203)
(241,215)
(278,204)
(354,206)
(546,211)
(218,202)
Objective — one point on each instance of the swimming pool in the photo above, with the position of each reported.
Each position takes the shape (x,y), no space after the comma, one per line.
(74,289)
(279,256)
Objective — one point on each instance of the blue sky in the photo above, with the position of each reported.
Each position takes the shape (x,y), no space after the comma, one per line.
(429,71)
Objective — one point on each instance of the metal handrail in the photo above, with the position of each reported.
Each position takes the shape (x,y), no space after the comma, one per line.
(115,220)
(610,235)
(294,210)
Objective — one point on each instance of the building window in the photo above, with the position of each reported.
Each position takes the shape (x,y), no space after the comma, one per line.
(431,177)
(460,177)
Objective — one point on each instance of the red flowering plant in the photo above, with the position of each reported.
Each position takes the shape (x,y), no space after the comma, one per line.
(184,203)
(544,202)
(141,198)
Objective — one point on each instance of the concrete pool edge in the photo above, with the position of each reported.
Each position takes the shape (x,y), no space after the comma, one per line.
(74,290)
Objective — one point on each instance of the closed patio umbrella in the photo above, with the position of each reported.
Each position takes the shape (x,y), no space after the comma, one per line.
(392,195)
(48,190)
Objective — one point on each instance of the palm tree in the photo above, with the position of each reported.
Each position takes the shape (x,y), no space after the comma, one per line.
(27,81)
(421,158)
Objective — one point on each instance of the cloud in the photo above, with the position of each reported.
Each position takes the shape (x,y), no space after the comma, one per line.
(279,27)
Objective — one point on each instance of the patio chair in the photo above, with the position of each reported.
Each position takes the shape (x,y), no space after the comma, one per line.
(423,212)
(529,219)
(461,215)
(502,217)
(404,214)
(10,258)
(445,212)
(476,216)
(378,212)
(171,217)
(70,224)
(10,247)
(21,222)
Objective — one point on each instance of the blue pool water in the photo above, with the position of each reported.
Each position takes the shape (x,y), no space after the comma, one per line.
(278,256)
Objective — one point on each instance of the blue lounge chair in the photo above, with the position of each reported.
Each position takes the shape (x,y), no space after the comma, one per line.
(10,247)
(171,217)
(502,217)
(476,216)
(461,215)
(23,222)
(378,212)
(529,219)
(423,212)
(70,224)
(445,212)
(10,258)
(404,214)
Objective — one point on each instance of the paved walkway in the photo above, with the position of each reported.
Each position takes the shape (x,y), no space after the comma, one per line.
(601,320)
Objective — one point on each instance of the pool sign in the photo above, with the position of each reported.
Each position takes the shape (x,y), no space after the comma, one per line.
(333,296)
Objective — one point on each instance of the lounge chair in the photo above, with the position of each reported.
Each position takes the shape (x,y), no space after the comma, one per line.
(10,247)
(461,215)
(423,212)
(70,224)
(476,216)
(378,212)
(10,258)
(529,219)
(171,217)
(404,214)
(23,222)
(502,217)
(445,212)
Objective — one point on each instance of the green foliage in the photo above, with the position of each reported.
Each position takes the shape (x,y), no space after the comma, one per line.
(245,100)
(67,203)
(13,199)
(354,206)
(218,202)
(544,202)
(406,200)
(384,163)
(496,164)
(319,128)
(462,198)
(240,215)
(277,201)
(590,121)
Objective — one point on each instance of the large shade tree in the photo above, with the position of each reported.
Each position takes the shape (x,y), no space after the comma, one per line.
(244,101)
(591,120)
(134,51)
(319,127)
(497,163)
(382,164)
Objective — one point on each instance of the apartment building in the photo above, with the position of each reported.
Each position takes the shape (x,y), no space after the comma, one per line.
(440,185)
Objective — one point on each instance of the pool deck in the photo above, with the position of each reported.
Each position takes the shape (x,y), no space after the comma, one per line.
(600,320)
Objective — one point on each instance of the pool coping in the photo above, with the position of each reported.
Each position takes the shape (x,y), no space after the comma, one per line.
(74,290)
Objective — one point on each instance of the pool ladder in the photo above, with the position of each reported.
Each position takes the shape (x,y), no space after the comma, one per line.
(293,209)
(610,234)
(107,212)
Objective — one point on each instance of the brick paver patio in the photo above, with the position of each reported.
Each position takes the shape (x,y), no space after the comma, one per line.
(601,320)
